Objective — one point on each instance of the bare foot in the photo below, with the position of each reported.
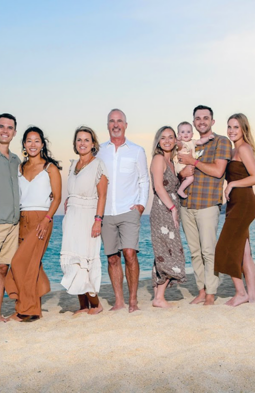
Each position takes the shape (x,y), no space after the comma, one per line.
(198,299)
(209,300)
(161,303)
(3,319)
(182,194)
(117,307)
(81,311)
(133,307)
(14,317)
(237,300)
(95,310)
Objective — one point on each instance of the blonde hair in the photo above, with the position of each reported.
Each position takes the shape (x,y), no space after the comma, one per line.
(94,138)
(156,149)
(246,129)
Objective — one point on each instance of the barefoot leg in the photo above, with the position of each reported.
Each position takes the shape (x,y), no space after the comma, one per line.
(3,272)
(200,298)
(84,304)
(116,276)
(96,306)
(249,272)
(241,295)
(209,300)
(159,299)
(132,275)
(184,185)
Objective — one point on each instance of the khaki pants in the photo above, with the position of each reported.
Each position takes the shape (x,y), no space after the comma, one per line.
(200,228)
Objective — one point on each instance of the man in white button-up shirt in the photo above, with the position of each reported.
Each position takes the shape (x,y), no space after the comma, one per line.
(127,196)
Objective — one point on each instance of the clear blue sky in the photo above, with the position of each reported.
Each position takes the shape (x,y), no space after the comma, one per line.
(68,63)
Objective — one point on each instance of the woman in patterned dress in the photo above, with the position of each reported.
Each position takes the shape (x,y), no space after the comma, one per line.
(169,262)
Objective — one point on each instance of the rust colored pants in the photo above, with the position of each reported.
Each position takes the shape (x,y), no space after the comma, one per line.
(26,280)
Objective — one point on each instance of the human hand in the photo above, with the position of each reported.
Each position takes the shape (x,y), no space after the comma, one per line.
(227,191)
(187,171)
(185,158)
(175,217)
(42,228)
(96,229)
(140,208)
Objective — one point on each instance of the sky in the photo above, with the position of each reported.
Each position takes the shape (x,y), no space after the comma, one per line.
(65,64)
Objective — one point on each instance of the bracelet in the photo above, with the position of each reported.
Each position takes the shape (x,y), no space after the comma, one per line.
(171,208)
(49,218)
(195,163)
(98,219)
(101,217)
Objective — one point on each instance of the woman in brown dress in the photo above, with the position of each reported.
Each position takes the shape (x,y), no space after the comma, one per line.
(40,196)
(169,262)
(233,254)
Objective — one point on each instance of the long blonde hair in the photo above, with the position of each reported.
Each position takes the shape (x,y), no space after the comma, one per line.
(246,129)
(156,149)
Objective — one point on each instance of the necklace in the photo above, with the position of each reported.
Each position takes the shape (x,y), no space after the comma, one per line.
(76,171)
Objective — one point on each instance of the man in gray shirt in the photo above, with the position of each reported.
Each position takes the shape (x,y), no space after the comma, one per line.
(9,199)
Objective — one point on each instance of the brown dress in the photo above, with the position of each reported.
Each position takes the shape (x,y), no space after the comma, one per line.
(240,213)
(169,262)
(26,280)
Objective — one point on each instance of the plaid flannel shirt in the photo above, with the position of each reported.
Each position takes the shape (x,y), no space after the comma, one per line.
(206,191)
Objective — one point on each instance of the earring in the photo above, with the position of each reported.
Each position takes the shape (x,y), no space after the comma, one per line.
(24,153)
(42,152)
(93,150)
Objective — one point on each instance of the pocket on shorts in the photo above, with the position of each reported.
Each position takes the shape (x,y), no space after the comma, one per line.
(127,165)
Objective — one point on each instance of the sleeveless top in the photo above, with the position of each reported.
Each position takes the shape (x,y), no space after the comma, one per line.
(35,194)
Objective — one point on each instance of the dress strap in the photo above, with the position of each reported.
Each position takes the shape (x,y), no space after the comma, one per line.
(47,167)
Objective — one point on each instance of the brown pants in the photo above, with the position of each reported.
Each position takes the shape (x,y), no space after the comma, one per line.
(26,280)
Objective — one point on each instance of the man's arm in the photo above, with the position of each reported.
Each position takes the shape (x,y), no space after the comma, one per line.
(215,169)
(143,180)
(218,166)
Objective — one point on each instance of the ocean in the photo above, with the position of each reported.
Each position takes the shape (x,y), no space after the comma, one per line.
(52,264)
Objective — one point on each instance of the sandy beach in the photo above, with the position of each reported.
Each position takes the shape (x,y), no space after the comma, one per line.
(182,349)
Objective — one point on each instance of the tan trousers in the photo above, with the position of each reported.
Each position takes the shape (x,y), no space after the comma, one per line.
(26,280)
(200,228)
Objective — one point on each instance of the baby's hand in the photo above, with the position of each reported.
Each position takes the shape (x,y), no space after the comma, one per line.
(211,137)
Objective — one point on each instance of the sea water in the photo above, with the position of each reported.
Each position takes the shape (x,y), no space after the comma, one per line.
(51,260)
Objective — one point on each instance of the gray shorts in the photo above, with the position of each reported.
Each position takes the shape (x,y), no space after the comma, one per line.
(121,231)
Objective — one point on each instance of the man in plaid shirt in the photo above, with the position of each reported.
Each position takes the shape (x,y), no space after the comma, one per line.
(200,211)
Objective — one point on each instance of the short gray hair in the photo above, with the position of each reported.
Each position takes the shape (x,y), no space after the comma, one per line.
(116,110)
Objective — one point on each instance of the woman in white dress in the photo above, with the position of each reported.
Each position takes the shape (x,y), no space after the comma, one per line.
(40,196)
(80,253)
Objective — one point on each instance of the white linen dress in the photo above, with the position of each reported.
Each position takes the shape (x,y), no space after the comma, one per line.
(80,253)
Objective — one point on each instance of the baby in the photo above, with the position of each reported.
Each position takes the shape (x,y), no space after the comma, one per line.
(187,145)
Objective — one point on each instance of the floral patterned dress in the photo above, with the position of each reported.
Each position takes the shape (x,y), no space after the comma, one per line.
(169,262)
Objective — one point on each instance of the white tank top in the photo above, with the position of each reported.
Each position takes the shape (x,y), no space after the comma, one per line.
(35,194)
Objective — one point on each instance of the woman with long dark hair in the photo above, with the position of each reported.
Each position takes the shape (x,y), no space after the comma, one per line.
(233,252)
(40,196)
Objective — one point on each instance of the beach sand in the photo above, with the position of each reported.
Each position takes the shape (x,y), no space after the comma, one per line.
(188,348)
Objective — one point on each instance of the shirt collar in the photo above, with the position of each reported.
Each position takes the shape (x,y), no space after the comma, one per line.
(11,155)
(126,143)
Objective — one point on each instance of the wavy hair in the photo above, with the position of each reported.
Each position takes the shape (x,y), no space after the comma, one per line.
(246,129)
(156,149)
(45,153)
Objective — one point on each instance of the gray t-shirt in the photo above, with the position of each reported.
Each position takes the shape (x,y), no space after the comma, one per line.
(9,189)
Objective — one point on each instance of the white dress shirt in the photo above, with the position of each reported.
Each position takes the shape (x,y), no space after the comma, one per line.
(128,176)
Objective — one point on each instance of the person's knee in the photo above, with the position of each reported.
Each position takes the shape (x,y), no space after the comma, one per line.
(3,270)
(130,255)
(114,260)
